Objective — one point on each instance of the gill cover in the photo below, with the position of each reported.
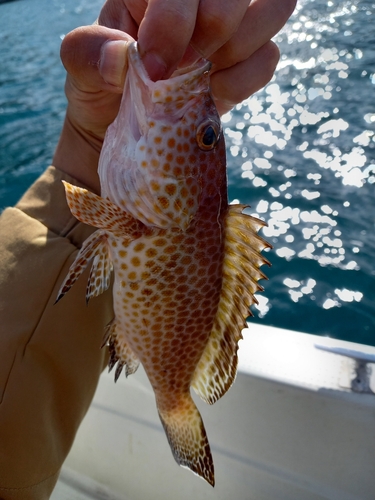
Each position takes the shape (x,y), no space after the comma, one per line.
(150,164)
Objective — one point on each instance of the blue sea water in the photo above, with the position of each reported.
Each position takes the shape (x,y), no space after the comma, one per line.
(301,152)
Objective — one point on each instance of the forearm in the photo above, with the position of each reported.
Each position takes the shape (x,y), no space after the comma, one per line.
(50,356)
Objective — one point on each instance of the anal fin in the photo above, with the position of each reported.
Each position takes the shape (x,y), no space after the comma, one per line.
(120,352)
(217,367)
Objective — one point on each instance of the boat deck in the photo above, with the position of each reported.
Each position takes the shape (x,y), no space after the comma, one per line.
(290,428)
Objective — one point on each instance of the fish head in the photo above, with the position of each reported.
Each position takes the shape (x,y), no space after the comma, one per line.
(164,153)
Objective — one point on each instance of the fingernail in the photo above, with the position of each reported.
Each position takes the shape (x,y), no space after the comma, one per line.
(154,65)
(112,64)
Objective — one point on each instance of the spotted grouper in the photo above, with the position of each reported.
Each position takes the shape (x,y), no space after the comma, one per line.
(185,262)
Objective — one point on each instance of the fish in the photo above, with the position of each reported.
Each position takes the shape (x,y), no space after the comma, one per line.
(186,263)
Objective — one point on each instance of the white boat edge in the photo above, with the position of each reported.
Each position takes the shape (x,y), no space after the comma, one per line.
(291,427)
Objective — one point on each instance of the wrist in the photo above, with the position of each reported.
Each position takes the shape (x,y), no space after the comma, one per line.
(77,154)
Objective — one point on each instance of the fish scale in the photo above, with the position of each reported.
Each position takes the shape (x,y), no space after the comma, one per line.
(185,263)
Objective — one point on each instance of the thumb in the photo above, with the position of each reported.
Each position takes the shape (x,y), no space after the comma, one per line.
(95,58)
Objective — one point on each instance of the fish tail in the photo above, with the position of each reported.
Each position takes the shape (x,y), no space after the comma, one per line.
(188,440)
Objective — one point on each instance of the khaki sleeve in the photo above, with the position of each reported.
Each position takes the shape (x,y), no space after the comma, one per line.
(50,356)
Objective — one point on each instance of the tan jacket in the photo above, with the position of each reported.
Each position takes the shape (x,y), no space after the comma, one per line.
(50,356)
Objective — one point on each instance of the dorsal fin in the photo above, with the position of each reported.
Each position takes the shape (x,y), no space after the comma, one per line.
(217,367)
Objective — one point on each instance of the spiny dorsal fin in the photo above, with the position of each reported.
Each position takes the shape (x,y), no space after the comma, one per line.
(217,367)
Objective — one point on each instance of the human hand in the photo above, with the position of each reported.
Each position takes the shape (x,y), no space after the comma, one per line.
(233,35)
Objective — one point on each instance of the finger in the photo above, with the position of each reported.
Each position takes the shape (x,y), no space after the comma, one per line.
(95,58)
(116,15)
(232,85)
(165,33)
(262,20)
(216,23)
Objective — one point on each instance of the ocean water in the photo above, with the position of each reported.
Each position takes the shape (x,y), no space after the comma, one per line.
(301,152)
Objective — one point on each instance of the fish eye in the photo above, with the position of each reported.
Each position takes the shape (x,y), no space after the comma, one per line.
(208,134)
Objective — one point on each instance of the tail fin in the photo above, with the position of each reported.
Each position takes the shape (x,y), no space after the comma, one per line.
(188,440)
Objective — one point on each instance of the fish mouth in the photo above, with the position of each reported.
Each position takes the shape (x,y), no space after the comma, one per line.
(151,98)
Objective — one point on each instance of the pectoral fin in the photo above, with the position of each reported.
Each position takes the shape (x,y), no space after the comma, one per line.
(91,209)
(96,211)
(217,368)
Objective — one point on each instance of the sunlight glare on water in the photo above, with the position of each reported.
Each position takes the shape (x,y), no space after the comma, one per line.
(302,153)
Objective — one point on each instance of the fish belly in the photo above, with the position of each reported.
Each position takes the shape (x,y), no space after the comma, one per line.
(166,293)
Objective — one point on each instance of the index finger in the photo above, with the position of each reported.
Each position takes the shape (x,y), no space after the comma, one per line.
(164,35)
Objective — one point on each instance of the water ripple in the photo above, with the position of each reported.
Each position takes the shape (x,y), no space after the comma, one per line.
(303,154)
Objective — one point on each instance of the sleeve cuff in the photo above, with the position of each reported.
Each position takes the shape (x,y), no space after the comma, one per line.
(45,201)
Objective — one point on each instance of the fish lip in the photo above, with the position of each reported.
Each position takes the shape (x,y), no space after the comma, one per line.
(176,79)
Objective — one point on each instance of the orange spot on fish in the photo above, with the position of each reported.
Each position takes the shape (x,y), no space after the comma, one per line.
(163,201)
(151,252)
(160,242)
(139,247)
(194,190)
(170,189)
(177,205)
(155,186)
